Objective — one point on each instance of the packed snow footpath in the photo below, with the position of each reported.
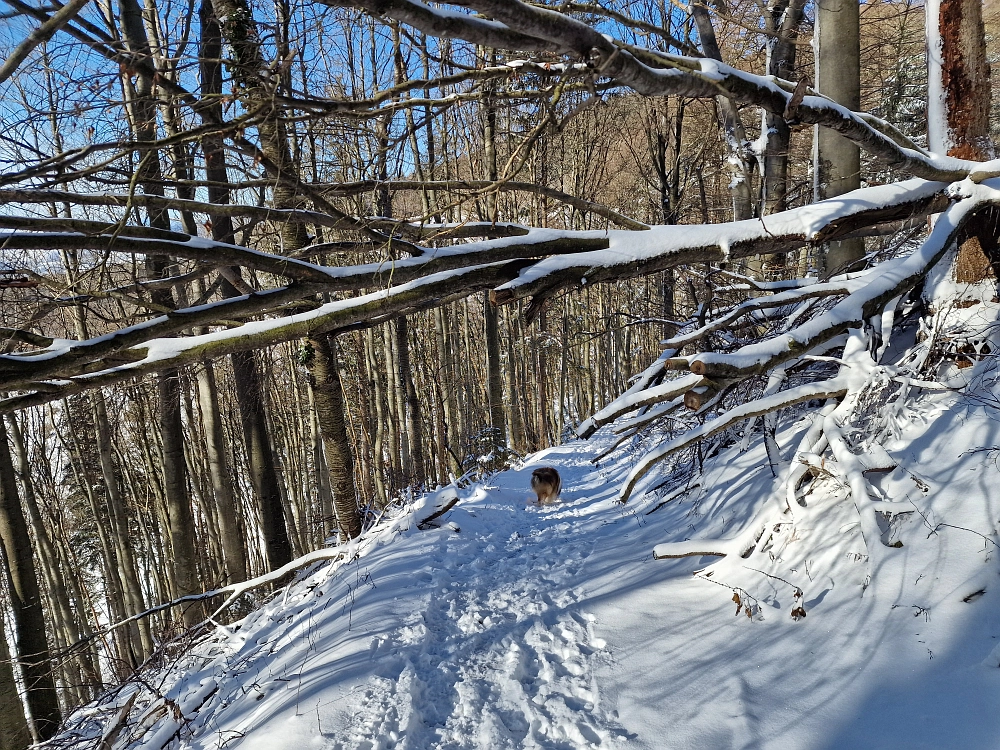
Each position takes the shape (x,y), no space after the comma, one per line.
(516,626)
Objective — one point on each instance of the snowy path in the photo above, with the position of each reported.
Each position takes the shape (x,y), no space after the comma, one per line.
(501,656)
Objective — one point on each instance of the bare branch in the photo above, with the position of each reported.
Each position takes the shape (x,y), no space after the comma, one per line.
(42,34)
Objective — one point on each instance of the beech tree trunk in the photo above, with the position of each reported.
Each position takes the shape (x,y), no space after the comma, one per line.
(234,555)
(414,472)
(180,519)
(118,515)
(783,23)
(64,618)
(179,515)
(958,109)
(249,390)
(494,375)
(263,473)
(14,733)
(837,167)
(494,372)
(448,384)
(737,147)
(324,374)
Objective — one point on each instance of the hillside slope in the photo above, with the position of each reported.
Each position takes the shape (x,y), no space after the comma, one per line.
(517,626)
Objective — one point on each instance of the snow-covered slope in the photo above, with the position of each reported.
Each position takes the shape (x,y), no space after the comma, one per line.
(516,626)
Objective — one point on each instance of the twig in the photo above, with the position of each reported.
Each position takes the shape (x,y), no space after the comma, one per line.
(426,523)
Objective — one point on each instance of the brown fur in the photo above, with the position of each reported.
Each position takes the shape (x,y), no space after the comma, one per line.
(546,483)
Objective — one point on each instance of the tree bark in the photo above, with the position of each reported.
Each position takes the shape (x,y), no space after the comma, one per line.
(494,375)
(180,520)
(179,515)
(324,374)
(411,404)
(26,601)
(234,554)
(118,516)
(737,147)
(958,80)
(783,23)
(263,474)
(958,113)
(59,598)
(249,391)
(837,166)
(14,733)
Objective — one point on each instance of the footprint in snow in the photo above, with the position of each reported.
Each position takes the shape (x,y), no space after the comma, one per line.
(498,660)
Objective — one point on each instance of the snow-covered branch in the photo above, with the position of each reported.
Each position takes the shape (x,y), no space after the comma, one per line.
(636,254)
(63,359)
(866,297)
(435,275)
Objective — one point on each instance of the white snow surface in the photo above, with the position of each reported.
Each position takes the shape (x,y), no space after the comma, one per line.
(516,626)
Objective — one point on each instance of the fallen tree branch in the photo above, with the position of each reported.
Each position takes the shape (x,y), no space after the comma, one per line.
(159,354)
(833,388)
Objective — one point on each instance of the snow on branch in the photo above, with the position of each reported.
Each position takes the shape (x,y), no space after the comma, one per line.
(435,275)
(833,388)
(867,297)
(657,394)
(62,360)
(632,254)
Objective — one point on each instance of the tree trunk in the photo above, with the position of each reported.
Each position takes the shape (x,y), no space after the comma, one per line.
(180,518)
(737,147)
(249,393)
(837,167)
(26,601)
(958,107)
(411,407)
(783,23)
(396,409)
(381,468)
(958,110)
(494,375)
(542,379)
(14,733)
(324,373)
(118,516)
(180,521)
(517,439)
(124,659)
(448,382)
(263,473)
(59,598)
(234,554)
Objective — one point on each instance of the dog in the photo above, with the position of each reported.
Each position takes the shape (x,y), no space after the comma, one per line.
(546,483)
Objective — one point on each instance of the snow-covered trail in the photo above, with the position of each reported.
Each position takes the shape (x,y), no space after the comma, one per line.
(514,626)
(501,655)
(470,635)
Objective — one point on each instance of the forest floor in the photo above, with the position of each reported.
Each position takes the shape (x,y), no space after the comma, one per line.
(515,626)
